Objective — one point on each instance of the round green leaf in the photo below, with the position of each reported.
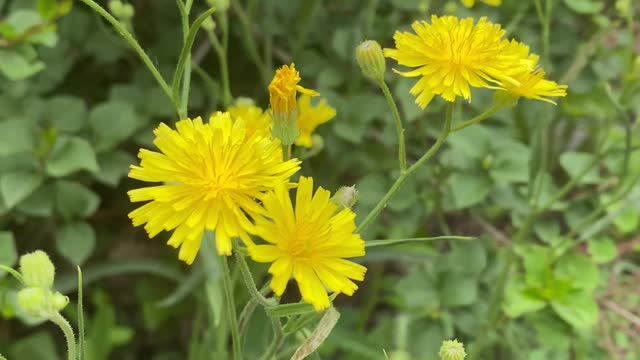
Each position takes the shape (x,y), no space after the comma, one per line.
(75,200)
(71,154)
(75,241)
(469,188)
(579,270)
(517,302)
(15,186)
(602,249)
(112,122)
(579,309)
(68,113)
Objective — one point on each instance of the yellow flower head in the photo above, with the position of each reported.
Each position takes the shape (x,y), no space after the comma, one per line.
(254,117)
(310,117)
(451,55)
(284,88)
(212,174)
(311,242)
(470,3)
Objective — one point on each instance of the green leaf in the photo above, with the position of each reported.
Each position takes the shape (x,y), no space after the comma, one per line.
(67,113)
(511,162)
(468,258)
(71,154)
(37,346)
(576,162)
(40,203)
(468,188)
(23,19)
(458,290)
(16,67)
(516,300)
(548,230)
(585,6)
(536,260)
(47,8)
(112,122)
(113,166)
(75,200)
(627,221)
(579,309)
(579,270)
(76,241)
(602,249)
(8,253)
(15,136)
(474,141)
(15,186)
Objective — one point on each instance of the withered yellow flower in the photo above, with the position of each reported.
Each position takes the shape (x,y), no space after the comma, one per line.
(211,174)
(310,117)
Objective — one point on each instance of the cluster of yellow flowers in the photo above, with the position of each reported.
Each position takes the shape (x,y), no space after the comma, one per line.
(452,55)
(232,176)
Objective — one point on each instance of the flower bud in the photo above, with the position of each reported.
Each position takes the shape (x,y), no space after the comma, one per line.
(452,350)
(37,269)
(115,6)
(127,11)
(59,301)
(371,60)
(32,300)
(208,24)
(220,5)
(346,196)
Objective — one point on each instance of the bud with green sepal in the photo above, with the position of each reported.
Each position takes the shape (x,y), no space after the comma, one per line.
(371,60)
(452,350)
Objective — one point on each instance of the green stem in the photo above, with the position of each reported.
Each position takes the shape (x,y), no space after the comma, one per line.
(277,341)
(186,77)
(402,152)
(405,174)
(249,41)
(492,110)
(221,52)
(230,307)
(248,281)
(375,243)
(138,49)
(63,324)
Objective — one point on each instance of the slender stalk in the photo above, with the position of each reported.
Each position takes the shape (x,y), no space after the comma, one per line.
(405,174)
(138,49)
(375,243)
(277,341)
(63,324)
(81,349)
(230,307)
(224,67)
(249,41)
(402,152)
(492,110)
(186,77)
(248,281)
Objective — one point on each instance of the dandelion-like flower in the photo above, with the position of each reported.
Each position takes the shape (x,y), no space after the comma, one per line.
(470,3)
(212,174)
(256,119)
(310,117)
(284,88)
(452,55)
(310,243)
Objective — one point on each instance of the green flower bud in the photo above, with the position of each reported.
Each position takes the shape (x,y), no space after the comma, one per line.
(452,350)
(33,301)
(220,5)
(59,301)
(127,11)
(346,196)
(37,269)
(115,6)
(209,24)
(284,127)
(371,60)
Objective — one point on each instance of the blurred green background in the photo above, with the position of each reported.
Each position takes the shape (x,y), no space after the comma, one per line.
(76,103)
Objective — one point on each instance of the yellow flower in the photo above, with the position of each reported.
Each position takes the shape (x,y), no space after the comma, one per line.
(470,3)
(451,55)
(212,174)
(254,117)
(310,242)
(310,117)
(284,88)
(531,84)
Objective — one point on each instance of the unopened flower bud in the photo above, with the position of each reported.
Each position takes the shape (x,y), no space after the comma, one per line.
(32,300)
(220,5)
(346,196)
(37,269)
(452,350)
(127,11)
(115,6)
(371,60)
(59,301)
(208,24)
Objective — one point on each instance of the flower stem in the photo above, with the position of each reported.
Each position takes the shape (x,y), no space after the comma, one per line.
(63,324)
(277,341)
(492,110)
(230,307)
(138,49)
(410,170)
(249,41)
(402,152)
(248,280)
